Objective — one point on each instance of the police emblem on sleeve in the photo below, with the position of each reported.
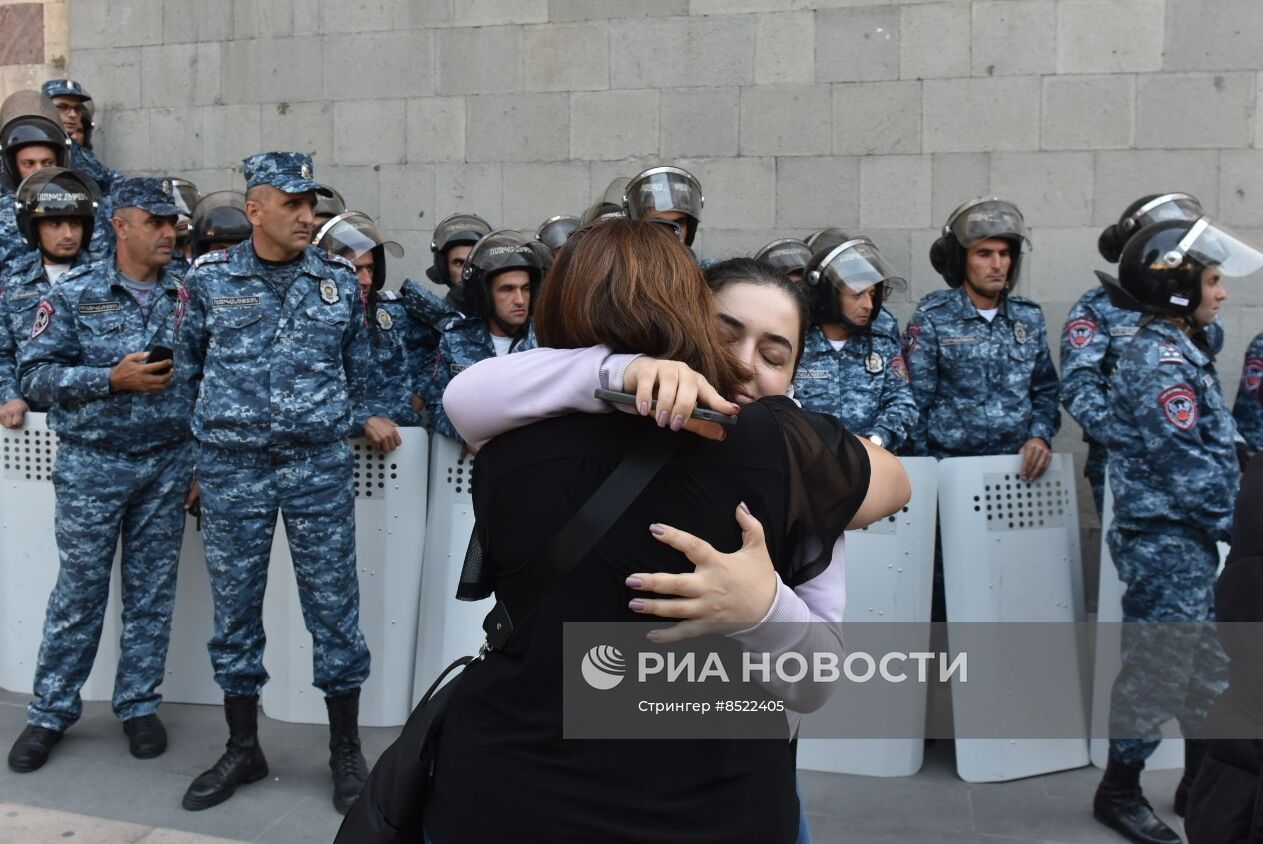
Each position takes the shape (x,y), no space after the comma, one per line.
(42,316)
(1019,332)
(900,367)
(329,291)
(874,364)
(1179,403)
(384,320)
(1253,374)
(1080,332)
(910,337)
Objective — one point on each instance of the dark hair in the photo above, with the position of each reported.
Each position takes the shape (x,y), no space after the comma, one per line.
(753,271)
(634,287)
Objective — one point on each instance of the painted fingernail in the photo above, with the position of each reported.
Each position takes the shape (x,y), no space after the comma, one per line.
(634,582)
(677,422)
(744,508)
(662,419)
(657,530)
(636,604)
(653,636)
(644,408)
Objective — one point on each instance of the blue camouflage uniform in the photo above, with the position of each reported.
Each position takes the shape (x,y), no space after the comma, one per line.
(1174,474)
(1247,410)
(1092,338)
(284,372)
(83,160)
(865,384)
(466,340)
(179,264)
(26,286)
(981,387)
(400,350)
(429,313)
(13,247)
(124,465)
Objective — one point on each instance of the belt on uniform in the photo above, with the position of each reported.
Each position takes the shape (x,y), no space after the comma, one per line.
(278,455)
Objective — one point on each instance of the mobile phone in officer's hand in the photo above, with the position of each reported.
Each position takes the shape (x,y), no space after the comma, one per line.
(160,353)
(629,399)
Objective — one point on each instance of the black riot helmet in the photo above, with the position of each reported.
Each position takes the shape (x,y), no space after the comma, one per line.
(52,193)
(493,254)
(184,196)
(1145,211)
(27,118)
(661,189)
(787,256)
(973,222)
(555,231)
(609,205)
(327,207)
(453,230)
(1160,270)
(352,234)
(220,217)
(857,265)
(825,239)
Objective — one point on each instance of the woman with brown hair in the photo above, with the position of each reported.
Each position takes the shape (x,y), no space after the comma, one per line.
(502,766)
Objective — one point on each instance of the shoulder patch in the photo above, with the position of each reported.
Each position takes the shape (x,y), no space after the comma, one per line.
(900,367)
(1124,330)
(1253,374)
(217,257)
(336,259)
(42,316)
(1170,353)
(1179,405)
(911,336)
(1080,332)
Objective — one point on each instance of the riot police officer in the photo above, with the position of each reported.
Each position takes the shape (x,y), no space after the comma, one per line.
(1095,332)
(396,338)
(78,117)
(1248,409)
(31,137)
(124,466)
(56,209)
(849,368)
(500,278)
(821,242)
(274,333)
(184,196)
(219,222)
(787,255)
(666,193)
(977,354)
(1174,475)
(327,207)
(555,231)
(609,204)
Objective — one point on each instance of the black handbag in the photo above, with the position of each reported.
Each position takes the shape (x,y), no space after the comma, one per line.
(390,808)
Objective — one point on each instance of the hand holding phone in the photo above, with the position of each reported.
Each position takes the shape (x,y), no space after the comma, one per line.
(614,397)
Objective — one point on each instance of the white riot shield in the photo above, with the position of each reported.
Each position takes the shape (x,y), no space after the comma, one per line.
(29,562)
(448,628)
(390,496)
(1011,553)
(189,676)
(889,577)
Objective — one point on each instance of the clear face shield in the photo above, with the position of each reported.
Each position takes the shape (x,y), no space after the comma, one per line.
(981,219)
(1211,245)
(615,191)
(353,235)
(787,256)
(1169,206)
(556,231)
(505,249)
(858,266)
(459,228)
(664,189)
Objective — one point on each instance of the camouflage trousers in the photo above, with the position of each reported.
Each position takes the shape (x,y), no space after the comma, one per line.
(312,489)
(1169,670)
(101,495)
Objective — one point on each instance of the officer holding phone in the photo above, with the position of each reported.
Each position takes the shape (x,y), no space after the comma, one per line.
(124,466)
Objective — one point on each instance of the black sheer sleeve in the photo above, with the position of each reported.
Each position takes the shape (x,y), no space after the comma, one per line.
(828,476)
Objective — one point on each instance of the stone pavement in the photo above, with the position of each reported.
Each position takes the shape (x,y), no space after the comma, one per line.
(93,791)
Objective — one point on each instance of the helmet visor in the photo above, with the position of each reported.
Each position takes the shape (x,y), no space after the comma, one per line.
(616,191)
(505,249)
(984,218)
(183,194)
(858,265)
(58,192)
(353,234)
(787,256)
(664,189)
(1170,206)
(556,231)
(1211,245)
(459,228)
(826,239)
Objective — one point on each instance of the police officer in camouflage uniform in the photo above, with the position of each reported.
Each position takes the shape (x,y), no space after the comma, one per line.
(1096,331)
(397,339)
(56,209)
(500,278)
(78,118)
(274,337)
(666,193)
(849,368)
(977,355)
(124,466)
(1174,474)
(787,255)
(219,222)
(327,207)
(1247,410)
(31,137)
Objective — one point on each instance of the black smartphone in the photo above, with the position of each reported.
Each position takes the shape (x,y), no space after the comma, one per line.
(160,353)
(629,399)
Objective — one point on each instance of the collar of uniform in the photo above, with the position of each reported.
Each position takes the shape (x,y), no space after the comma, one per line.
(30,270)
(1176,335)
(244,261)
(165,280)
(969,310)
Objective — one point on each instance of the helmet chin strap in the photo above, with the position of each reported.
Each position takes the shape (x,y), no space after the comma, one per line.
(57,259)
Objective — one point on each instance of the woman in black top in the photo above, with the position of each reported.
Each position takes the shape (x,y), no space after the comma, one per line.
(503,771)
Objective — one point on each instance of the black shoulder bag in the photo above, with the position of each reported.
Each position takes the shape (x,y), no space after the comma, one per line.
(390,808)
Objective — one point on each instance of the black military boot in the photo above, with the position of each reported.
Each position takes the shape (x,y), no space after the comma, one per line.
(345,759)
(1194,753)
(31,750)
(241,763)
(1121,806)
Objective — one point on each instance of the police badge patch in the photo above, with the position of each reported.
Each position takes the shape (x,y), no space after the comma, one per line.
(900,367)
(910,336)
(1019,332)
(42,315)
(1080,332)
(1179,403)
(329,291)
(874,364)
(1253,374)
(384,320)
